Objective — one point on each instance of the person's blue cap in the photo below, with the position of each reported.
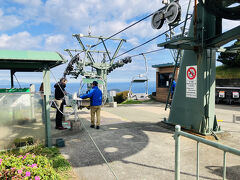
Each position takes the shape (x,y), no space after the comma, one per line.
(95,83)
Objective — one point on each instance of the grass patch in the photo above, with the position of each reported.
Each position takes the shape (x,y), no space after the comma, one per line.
(226,72)
(36,155)
(132,102)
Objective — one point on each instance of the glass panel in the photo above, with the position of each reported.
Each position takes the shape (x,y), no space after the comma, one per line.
(20,117)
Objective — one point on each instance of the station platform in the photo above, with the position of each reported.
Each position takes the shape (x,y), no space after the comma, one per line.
(138,147)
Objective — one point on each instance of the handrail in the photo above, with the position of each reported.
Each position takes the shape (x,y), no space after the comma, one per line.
(222,147)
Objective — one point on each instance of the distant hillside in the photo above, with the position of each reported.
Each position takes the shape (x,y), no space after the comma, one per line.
(226,72)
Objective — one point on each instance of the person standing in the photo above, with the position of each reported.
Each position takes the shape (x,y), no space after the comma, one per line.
(173,88)
(95,95)
(60,102)
(41,91)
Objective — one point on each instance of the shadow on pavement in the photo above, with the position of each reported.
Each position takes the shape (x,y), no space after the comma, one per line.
(232,173)
(165,169)
(115,141)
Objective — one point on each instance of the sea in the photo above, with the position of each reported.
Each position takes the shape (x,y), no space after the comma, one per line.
(74,87)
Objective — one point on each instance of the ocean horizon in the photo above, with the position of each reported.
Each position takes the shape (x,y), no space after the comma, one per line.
(74,87)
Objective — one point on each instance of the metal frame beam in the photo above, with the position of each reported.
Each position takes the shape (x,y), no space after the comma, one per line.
(79,50)
(117,50)
(105,48)
(224,38)
(12,72)
(89,55)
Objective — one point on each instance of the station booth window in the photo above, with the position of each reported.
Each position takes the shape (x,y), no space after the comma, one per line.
(164,79)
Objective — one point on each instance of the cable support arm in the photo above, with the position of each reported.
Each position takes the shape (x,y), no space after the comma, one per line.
(116,52)
(69,53)
(105,48)
(89,55)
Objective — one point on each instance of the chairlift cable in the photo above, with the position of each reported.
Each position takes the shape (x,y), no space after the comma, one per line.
(128,27)
(151,39)
(148,52)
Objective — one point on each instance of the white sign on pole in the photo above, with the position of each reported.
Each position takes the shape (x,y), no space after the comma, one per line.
(113,93)
(191,81)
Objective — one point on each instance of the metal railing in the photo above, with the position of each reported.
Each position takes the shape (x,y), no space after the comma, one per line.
(224,148)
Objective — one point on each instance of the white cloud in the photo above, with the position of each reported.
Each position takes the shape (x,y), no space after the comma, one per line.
(29,3)
(21,40)
(54,42)
(133,41)
(8,22)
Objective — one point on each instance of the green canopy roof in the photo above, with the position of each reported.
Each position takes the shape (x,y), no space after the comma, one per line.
(27,61)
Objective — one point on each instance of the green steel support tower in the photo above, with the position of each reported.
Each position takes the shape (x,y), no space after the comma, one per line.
(193,105)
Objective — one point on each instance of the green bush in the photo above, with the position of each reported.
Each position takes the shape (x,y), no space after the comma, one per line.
(27,166)
(132,102)
(34,162)
(20,142)
(121,96)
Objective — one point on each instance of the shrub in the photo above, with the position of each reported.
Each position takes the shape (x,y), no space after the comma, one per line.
(26,166)
(20,142)
(34,162)
(121,96)
(132,102)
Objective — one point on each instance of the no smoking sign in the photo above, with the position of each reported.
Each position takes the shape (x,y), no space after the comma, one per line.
(191,81)
(191,73)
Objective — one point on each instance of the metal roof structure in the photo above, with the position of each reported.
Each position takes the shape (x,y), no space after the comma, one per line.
(29,61)
(139,80)
(164,65)
(33,61)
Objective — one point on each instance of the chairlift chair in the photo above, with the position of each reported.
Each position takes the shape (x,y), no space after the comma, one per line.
(141,78)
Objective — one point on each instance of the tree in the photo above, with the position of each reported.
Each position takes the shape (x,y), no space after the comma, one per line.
(230,58)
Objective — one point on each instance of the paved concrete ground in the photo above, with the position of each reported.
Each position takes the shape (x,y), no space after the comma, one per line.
(137,146)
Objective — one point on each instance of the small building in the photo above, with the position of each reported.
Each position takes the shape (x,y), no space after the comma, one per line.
(164,73)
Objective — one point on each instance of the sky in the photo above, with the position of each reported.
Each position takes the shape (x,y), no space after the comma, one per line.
(48,25)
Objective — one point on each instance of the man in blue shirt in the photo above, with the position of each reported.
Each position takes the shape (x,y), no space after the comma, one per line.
(173,88)
(95,95)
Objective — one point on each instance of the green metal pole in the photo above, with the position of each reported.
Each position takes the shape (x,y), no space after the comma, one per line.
(197,161)
(47,92)
(12,82)
(224,165)
(177,152)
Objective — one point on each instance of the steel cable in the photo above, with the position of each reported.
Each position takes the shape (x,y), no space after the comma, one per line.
(148,52)
(151,39)
(128,27)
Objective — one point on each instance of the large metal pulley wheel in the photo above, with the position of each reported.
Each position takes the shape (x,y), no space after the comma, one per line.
(227,9)
(173,13)
(157,20)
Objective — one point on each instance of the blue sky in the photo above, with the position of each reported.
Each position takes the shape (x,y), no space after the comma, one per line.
(48,25)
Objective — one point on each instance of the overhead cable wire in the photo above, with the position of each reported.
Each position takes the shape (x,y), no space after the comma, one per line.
(17,81)
(128,27)
(148,52)
(151,39)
